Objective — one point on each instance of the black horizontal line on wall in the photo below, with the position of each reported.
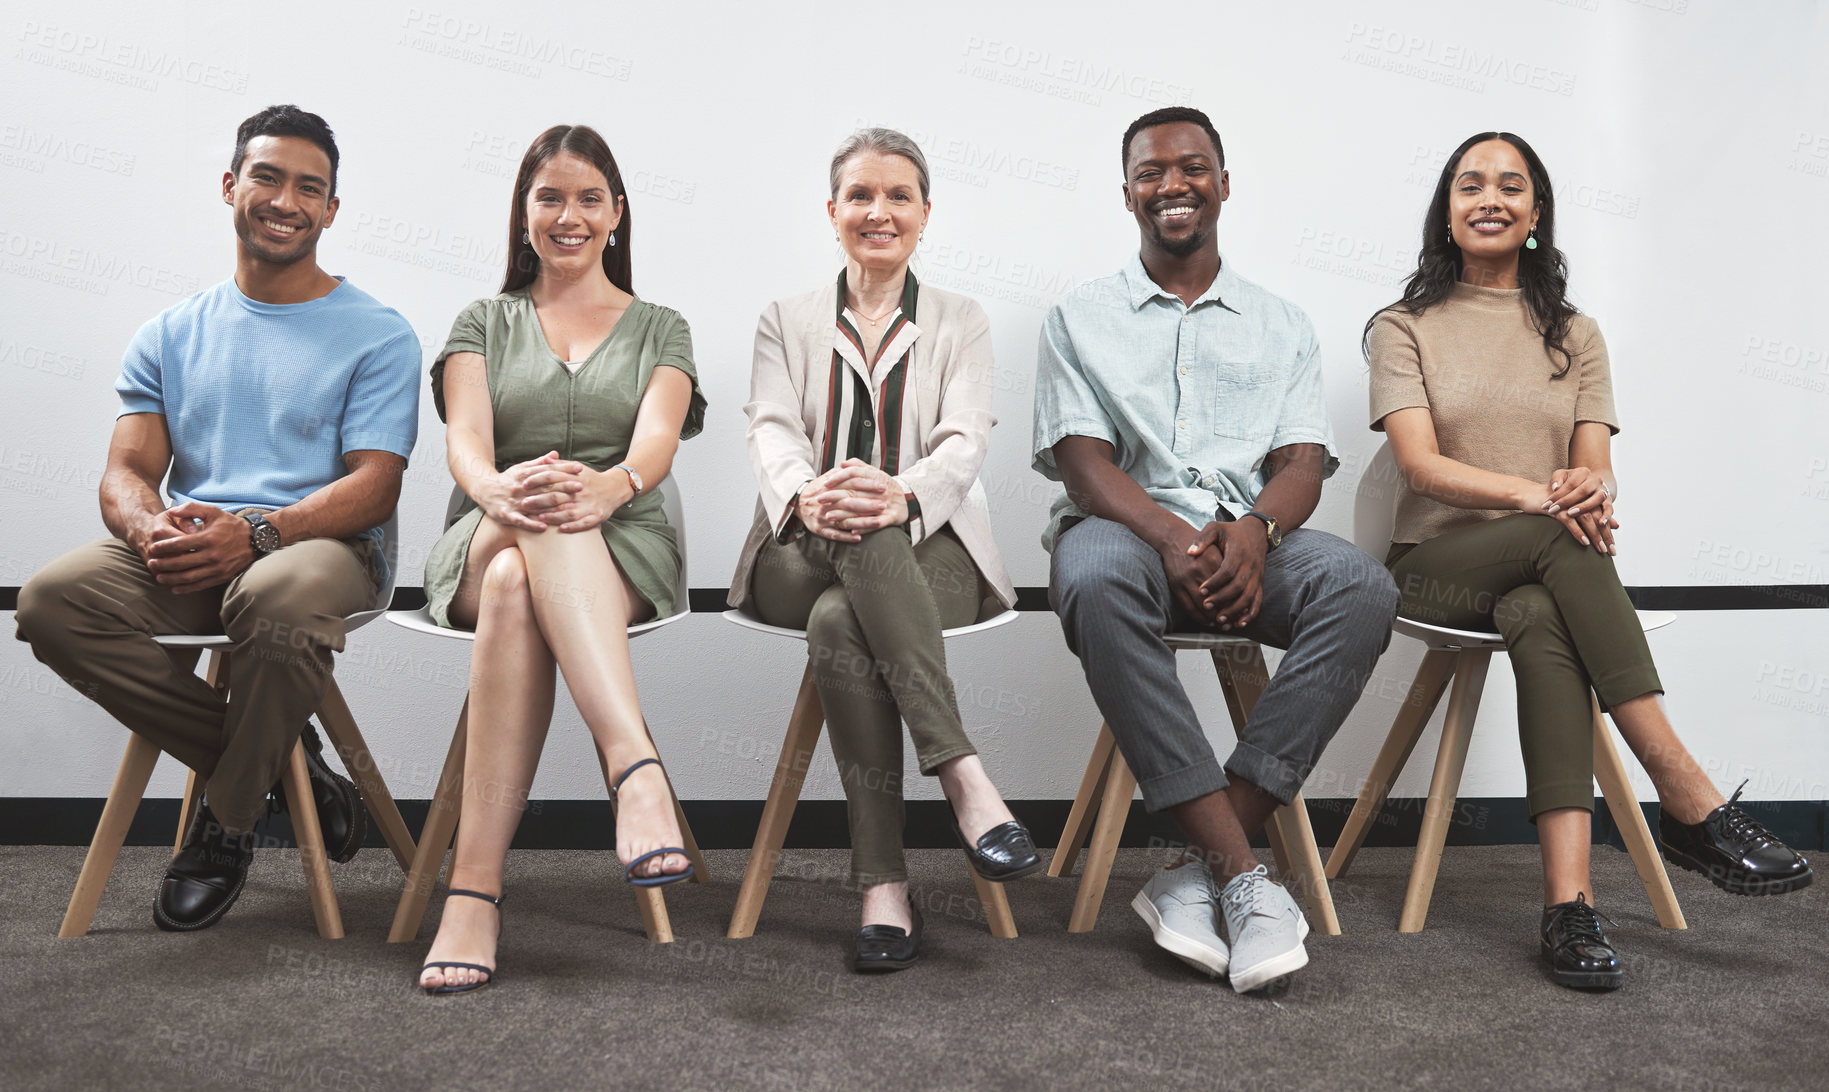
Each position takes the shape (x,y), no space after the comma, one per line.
(821,824)
(1649,597)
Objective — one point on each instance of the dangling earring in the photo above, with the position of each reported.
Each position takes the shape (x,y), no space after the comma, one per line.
(1530,241)
(612,238)
(524,238)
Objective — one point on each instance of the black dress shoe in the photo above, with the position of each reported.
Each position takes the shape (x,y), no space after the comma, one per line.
(888,947)
(341,816)
(1575,948)
(1005,852)
(205,878)
(1734,851)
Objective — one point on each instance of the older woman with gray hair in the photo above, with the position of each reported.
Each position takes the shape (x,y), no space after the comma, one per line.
(870,414)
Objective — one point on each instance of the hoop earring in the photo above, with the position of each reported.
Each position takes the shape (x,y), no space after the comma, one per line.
(1530,241)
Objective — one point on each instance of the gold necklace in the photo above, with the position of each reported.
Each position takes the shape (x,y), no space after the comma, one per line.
(874,321)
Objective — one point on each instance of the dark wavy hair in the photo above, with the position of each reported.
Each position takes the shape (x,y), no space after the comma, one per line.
(583,142)
(1543,273)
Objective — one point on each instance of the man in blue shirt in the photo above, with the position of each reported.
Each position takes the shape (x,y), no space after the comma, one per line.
(1181,406)
(283,403)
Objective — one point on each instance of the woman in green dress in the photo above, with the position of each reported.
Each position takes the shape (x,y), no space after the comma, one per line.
(565,398)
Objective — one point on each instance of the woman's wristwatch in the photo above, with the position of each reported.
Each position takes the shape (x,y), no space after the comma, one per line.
(634,480)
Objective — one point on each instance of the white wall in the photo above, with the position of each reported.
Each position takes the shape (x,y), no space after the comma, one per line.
(1689,142)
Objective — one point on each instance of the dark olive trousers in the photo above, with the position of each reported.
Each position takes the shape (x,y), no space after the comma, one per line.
(873,611)
(1568,628)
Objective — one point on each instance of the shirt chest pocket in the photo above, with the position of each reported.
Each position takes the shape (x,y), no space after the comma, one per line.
(1247,400)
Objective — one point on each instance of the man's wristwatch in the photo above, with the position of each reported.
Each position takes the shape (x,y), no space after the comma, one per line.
(263,536)
(1273,535)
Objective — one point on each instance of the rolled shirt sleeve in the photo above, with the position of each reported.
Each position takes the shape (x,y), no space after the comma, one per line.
(1065,402)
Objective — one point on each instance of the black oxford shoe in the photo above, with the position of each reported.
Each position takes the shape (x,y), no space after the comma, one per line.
(205,878)
(341,816)
(1734,851)
(1005,852)
(1576,950)
(888,947)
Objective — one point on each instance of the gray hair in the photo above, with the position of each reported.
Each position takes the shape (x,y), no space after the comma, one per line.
(883,142)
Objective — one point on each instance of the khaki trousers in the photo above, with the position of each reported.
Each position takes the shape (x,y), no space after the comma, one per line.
(91,615)
(873,611)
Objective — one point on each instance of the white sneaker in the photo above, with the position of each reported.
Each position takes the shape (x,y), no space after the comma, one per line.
(1180,905)
(1266,928)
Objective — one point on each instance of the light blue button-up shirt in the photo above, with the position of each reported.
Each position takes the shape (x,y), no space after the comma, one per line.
(1191,399)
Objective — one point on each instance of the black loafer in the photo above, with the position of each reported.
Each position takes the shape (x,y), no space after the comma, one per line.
(888,947)
(205,878)
(1734,851)
(1005,852)
(341,816)
(1575,948)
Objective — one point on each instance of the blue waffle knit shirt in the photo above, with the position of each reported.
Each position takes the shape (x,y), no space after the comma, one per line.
(262,400)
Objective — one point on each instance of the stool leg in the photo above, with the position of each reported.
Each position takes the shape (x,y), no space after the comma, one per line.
(117,814)
(310,839)
(1610,771)
(346,737)
(1242,677)
(1463,704)
(996,907)
(701,872)
(1419,705)
(434,837)
(1085,805)
(783,794)
(1114,808)
(193,791)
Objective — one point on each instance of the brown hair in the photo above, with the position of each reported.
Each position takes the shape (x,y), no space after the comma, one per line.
(583,142)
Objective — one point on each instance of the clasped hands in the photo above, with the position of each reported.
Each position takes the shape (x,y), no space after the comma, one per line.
(553,492)
(1578,497)
(849,501)
(1218,575)
(192,547)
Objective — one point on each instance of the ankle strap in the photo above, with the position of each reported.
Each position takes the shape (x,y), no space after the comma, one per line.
(632,767)
(496,899)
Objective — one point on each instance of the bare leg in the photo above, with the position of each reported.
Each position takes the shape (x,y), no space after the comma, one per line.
(976,802)
(511,705)
(584,606)
(1215,834)
(887,904)
(1684,790)
(1564,834)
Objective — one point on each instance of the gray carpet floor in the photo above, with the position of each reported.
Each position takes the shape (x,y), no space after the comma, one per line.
(1740,1000)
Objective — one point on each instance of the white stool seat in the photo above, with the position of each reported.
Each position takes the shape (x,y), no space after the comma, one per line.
(748,621)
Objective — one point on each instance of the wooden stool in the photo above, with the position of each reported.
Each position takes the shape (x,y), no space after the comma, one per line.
(790,774)
(1103,801)
(1463,656)
(141,756)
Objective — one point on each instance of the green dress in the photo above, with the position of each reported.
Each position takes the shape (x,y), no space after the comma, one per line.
(587,416)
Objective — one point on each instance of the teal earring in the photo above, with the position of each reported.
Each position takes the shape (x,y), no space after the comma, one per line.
(1530,241)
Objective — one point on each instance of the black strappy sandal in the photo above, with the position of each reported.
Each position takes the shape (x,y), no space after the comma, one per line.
(628,871)
(496,900)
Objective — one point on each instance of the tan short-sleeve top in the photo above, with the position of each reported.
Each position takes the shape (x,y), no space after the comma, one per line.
(1480,368)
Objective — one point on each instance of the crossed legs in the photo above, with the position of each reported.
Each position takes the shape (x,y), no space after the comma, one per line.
(541,603)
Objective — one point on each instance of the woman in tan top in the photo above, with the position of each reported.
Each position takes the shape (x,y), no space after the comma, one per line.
(1496,395)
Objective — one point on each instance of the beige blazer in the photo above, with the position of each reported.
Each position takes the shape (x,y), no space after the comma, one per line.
(950,377)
